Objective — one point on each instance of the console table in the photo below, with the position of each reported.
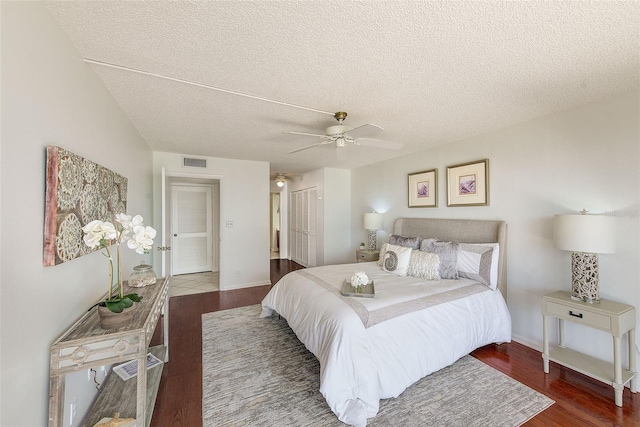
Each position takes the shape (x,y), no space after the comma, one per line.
(612,317)
(86,345)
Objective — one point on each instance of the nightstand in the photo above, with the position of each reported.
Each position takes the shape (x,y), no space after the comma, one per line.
(363,255)
(612,317)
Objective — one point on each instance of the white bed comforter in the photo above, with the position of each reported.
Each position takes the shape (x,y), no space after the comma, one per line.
(367,350)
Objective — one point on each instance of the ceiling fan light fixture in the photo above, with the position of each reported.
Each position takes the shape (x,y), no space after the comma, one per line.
(280,181)
(337,130)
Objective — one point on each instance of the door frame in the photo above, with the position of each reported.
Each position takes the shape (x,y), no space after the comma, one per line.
(167,178)
(271,222)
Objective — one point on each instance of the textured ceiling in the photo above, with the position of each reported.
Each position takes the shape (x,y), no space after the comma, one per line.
(428,72)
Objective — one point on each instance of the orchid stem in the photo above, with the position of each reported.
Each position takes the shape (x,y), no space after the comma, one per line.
(119,271)
(110,272)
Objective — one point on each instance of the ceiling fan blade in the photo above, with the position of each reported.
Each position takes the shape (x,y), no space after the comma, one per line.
(380,143)
(309,146)
(365,130)
(306,134)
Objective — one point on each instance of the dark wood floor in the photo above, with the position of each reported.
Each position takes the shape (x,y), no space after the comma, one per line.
(580,401)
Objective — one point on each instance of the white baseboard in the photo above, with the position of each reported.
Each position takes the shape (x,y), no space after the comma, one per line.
(527,342)
(245,285)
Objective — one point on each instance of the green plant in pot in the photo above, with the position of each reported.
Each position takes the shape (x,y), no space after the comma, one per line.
(103,234)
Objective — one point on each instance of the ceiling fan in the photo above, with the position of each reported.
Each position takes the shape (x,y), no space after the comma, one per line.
(342,135)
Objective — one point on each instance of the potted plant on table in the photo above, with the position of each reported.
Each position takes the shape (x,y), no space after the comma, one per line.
(116,310)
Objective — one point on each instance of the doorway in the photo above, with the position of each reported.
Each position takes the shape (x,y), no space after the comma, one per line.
(275,221)
(193,217)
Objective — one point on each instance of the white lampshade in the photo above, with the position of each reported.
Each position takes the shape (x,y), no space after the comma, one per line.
(585,236)
(372,221)
(585,233)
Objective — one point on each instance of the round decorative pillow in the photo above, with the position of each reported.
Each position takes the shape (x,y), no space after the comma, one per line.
(390,261)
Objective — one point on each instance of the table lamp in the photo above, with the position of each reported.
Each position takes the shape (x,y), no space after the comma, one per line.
(585,236)
(373,223)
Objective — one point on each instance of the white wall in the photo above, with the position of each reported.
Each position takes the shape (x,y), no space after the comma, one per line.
(337,213)
(50,97)
(244,200)
(587,157)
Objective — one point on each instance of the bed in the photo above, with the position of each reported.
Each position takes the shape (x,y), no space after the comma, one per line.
(374,348)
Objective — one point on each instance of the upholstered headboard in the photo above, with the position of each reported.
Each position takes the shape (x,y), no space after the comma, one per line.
(461,230)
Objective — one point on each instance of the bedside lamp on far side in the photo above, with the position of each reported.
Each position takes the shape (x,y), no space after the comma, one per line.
(585,236)
(373,223)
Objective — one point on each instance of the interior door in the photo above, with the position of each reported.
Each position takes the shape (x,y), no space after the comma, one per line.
(191,228)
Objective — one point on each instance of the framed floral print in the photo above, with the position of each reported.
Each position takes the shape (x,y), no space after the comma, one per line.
(468,184)
(423,189)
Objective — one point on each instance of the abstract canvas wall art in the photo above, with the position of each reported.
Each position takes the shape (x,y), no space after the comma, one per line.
(77,192)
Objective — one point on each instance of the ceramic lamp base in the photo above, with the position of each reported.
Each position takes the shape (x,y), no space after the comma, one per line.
(585,284)
(373,237)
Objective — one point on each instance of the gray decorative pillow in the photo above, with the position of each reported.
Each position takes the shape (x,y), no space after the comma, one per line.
(407,242)
(424,265)
(448,254)
(424,243)
(474,262)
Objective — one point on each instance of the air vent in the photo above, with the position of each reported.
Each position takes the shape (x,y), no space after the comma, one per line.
(190,162)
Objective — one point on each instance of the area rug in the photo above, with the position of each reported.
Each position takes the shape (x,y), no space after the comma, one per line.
(257,373)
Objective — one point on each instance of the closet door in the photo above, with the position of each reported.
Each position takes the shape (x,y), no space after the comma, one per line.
(311,227)
(303,226)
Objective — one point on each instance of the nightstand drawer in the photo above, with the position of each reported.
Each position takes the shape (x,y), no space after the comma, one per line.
(575,315)
(367,256)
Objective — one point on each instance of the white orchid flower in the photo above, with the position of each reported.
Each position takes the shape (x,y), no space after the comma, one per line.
(92,240)
(142,240)
(136,221)
(96,231)
(124,220)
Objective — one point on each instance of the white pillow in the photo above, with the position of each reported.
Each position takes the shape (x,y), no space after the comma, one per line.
(470,258)
(424,265)
(383,249)
(396,260)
